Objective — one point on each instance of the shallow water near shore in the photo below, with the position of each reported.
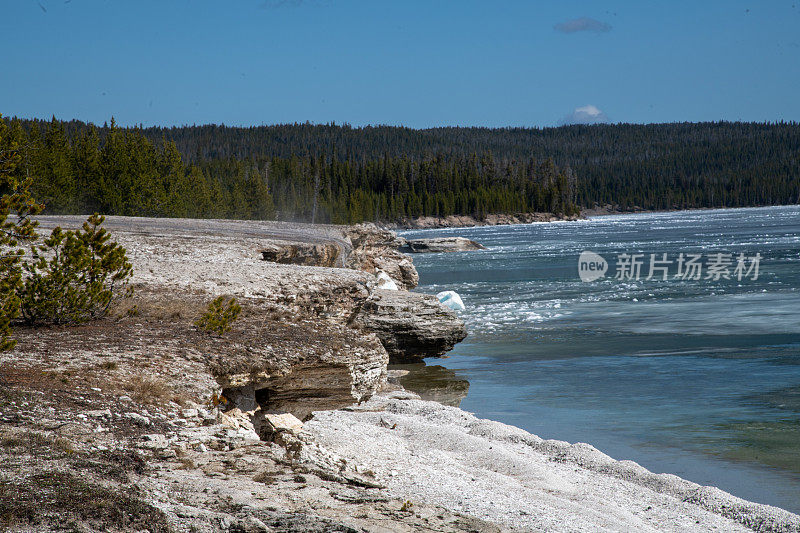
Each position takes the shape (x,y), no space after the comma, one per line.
(698,378)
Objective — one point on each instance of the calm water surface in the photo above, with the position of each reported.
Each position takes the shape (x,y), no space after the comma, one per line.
(700,378)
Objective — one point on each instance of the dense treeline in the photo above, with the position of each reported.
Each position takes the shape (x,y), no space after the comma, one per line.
(81,168)
(655,166)
(343,174)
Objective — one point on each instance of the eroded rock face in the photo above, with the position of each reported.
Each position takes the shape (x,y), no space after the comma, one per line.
(411,326)
(299,253)
(375,249)
(305,371)
(399,268)
(362,247)
(442,244)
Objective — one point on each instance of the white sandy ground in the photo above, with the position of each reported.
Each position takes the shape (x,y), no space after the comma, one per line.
(216,256)
(445,456)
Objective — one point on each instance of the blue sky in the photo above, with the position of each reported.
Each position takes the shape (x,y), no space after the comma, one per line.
(414,63)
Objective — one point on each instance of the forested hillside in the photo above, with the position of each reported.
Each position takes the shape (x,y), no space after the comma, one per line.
(330,173)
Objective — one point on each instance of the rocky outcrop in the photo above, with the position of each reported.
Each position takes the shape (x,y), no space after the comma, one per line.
(293,345)
(301,253)
(441,244)
(361,247)
(400,269)
(327,366)
(411,326)
(375,249)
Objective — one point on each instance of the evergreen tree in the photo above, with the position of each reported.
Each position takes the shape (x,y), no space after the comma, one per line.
(16,226)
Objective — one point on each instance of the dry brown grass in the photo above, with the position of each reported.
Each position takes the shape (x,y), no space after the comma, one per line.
(64,445)
(11,441)
(108,365)
(148,390)
(160,308)
(36,443)
(66,499)
(267,478)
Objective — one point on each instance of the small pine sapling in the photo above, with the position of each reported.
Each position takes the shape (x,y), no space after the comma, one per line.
(74,276)
(220,315)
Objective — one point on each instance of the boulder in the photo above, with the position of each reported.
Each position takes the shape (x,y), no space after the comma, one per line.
(411,326)
(442,244)
(270,425)
(399,267)
(240,421)
(137,418)
(153,442)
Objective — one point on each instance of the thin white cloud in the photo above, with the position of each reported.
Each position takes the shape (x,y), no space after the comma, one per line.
(587,114)
(582,24)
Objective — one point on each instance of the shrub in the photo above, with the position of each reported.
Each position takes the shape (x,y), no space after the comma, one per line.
(220,315)
(74,276)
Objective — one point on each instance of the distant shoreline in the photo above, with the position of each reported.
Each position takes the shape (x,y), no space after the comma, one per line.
(503,219)
(467,221)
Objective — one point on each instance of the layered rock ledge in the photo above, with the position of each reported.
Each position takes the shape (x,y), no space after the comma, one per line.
(411,326)
(302,369)
(362,247)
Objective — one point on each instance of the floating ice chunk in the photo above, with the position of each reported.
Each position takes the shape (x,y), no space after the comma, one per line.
(385,282)
(451,299)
